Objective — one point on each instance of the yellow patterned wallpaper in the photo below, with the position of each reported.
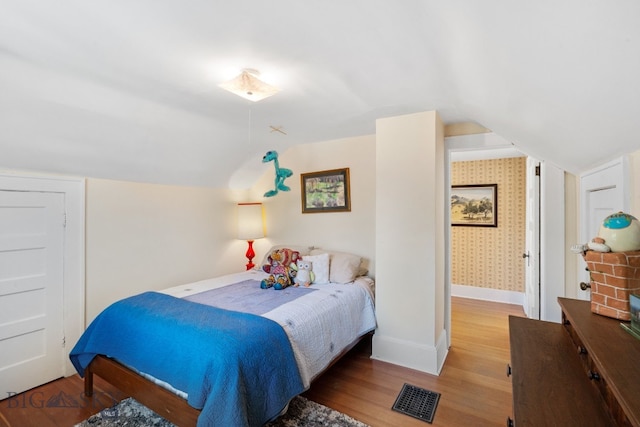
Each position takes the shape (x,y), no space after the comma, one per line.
(491,257)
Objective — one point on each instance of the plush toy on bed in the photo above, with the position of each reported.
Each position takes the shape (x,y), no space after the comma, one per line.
(278,266)
(304,274)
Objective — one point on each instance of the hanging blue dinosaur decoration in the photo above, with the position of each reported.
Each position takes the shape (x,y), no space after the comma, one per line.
(281,174)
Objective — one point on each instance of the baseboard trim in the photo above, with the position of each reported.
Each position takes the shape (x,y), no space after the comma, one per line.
(486,294)
(409,354)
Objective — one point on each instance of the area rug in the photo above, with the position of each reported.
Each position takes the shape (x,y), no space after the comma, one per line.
(301,413)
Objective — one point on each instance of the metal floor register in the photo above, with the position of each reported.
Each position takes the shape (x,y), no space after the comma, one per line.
(417,402)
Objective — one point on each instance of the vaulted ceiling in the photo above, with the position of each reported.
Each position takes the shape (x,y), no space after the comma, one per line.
(129,90)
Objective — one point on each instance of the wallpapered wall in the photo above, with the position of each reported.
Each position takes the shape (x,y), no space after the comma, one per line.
(491,257)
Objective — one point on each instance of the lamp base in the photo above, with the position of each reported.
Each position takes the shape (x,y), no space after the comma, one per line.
(250,254)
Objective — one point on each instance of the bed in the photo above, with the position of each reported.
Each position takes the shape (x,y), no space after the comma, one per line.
(224,351)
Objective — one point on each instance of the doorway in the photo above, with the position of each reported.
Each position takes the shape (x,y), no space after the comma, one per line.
(487,260)
(552,235)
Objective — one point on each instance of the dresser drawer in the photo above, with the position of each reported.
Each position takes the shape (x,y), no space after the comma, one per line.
(594,372)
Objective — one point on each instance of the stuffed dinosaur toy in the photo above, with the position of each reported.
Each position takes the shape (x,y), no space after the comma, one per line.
(281,174)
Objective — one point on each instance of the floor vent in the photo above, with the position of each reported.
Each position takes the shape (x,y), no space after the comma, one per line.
(417,402)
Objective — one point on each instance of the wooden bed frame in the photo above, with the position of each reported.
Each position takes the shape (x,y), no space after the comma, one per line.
(155,397)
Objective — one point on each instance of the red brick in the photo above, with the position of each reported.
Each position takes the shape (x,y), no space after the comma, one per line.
(604,310)
(592,256)
(623,294)
(633,283)
(617,282)
(602,268)
(615,258)
(607,290)
(623,315)
(618,304)
(597,277)
(633,258)
(623,271)
(597,298)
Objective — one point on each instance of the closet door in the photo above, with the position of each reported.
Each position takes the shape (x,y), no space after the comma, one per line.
(31,289)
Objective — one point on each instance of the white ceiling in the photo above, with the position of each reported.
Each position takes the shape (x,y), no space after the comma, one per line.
(127,89)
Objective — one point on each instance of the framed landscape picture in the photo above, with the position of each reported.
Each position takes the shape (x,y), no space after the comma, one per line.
(325,191)
(474,205)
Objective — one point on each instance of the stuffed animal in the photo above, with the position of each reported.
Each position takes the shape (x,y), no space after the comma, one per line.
(281,174)
(283,256)
(304,274)
(268,282)
(278,266)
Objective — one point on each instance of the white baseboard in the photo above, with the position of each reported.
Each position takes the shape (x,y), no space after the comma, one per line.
(409,354)
(486,294)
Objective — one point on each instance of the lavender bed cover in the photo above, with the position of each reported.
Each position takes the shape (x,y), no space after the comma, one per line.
(320,321)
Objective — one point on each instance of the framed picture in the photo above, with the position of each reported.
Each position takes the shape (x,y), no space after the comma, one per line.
(474,205)
(325,191)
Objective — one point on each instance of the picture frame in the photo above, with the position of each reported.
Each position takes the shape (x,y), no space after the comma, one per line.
(325,191)
(474,205)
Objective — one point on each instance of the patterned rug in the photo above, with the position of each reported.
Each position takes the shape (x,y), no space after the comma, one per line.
(302,413)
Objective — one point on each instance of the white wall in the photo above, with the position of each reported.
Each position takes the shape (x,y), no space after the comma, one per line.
(634,187)
(143,237)
(410,239)
(344,231)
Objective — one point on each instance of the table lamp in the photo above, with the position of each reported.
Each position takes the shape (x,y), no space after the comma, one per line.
(250,227)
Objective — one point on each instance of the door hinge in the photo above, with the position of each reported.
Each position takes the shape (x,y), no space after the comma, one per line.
(64,342)
(64,220)
(537,170)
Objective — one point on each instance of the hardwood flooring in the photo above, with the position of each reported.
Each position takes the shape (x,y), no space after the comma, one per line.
(474,387)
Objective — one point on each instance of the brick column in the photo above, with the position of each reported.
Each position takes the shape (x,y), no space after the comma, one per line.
(614,276)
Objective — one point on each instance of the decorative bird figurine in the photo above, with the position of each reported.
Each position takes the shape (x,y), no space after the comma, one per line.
(281,174)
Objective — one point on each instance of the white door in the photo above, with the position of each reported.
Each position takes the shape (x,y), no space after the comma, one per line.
(31,290)
(531,253)
(603,192)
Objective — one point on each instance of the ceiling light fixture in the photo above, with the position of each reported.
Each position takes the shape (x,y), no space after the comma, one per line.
(249,86)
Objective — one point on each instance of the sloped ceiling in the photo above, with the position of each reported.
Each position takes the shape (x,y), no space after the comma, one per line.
(127,90)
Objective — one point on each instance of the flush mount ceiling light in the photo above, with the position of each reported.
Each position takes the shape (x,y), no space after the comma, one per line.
(249,86)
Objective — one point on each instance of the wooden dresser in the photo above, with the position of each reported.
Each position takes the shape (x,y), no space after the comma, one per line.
(583,372)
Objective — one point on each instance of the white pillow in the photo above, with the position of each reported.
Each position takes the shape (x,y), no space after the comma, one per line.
(320,267)
(344,267)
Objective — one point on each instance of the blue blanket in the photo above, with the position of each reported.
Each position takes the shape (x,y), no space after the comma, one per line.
(238,368)
(248,297)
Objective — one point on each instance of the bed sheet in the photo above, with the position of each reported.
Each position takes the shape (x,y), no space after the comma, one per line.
(317,324)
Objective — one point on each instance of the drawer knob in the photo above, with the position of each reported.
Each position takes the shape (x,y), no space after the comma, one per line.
(593,375)
(509,422)
(508,370)
(582,350)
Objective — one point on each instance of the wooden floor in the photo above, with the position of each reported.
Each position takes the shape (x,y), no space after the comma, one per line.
(475,390)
